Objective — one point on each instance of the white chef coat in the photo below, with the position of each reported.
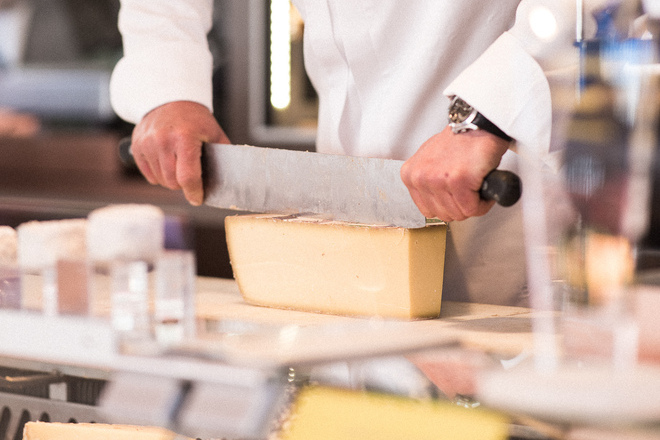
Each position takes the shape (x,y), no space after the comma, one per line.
(383,70)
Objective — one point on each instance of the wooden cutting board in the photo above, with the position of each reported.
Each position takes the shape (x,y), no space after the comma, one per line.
(262,332)
(235,331)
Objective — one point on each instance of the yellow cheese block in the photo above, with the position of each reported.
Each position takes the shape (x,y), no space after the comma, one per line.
(336,267)
(93,431)
(321,413)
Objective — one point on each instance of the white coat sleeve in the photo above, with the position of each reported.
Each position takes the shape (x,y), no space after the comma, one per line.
(166,56)
(509,83)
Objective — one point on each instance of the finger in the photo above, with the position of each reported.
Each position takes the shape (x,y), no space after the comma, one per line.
(432,205)
(470,202)
(466,203)
(428,202)
(145,162)
(189,174)
(194,193)
(220,137)
(447,209)
(168,170)
(413,179)
(145,169)
(421,204)
(484,207)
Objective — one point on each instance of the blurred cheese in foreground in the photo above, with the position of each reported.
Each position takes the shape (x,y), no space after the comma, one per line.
(337,267)
(8,245)
(128,232)
(42,243)
(321,413)
(93,431)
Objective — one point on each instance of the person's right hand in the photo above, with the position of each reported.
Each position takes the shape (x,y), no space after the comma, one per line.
(167,146)
(445,175)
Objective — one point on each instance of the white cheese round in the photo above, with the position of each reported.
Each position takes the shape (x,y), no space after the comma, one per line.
(126,232)
(8,245)
(42,243)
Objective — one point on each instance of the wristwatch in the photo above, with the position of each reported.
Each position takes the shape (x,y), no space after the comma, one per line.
(464,117)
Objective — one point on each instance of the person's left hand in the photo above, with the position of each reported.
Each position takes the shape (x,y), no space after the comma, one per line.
(7,3)
(18,125)
(444,176)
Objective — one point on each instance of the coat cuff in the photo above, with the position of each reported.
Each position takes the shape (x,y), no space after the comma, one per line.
(166,73)
(508,87)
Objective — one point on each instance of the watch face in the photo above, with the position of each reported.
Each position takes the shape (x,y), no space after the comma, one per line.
(459,111)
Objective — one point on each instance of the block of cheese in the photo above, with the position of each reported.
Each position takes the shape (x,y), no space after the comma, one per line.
(8,246)
(126,232)
(336,267)
(322,413)
(42,243)
(10,285)
(93,431)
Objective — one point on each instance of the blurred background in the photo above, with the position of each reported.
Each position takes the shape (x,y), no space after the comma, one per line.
(59,135)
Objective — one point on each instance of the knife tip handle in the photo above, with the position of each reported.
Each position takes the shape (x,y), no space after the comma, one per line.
(504,187)
(125,154)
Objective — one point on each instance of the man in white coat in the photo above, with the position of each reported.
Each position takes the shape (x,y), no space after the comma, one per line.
(385,72)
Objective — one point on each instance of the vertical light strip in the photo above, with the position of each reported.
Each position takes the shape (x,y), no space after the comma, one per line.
(579,21)
(280,53)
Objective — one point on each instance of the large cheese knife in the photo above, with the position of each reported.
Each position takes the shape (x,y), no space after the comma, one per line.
(355,189)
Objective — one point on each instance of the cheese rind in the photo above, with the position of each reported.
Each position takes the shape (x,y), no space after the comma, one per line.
(93,431)
(336,267)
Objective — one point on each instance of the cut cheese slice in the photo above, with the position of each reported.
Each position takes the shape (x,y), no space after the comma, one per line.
(93,431)
(336,267)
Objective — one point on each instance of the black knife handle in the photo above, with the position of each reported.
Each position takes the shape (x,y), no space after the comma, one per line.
(125,155)
(504,187)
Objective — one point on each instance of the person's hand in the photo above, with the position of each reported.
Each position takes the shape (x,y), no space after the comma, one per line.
(444,176)
(7,3)
(18,125)
(167,146)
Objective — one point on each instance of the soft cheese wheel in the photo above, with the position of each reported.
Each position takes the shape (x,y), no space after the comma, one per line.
(93,431)
(42,243)
(126,232)
(336,267)
(8,246)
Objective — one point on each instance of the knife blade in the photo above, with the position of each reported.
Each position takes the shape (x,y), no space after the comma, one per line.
(346,188)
